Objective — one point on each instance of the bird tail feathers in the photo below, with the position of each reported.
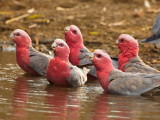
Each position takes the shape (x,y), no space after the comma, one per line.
(85,70)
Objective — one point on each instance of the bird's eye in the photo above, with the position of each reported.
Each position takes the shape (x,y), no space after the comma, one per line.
(17,34)
(121,40)
(99,56)
(74,31)
(61,44)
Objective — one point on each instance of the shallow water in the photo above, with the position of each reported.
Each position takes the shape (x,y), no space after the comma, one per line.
(32,98)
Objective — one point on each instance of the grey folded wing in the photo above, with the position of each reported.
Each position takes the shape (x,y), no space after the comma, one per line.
(38,61)
(155,38)
(132,84)
(84,56)
(84,60)
(77,76)
(137,65)
(115,62)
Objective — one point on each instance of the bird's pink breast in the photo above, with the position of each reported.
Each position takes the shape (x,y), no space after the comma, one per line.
(103,79)
(58,72)
(123,60)
(74,56)
(22,57)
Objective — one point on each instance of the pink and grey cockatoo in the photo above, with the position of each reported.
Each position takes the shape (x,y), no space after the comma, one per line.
(78,52)
(118,82)
(128,59)
(29,59)
(60,71)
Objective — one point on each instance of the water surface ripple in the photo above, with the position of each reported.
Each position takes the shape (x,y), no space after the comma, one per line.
(24,97)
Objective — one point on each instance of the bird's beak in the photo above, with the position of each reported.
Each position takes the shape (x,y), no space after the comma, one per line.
(117,42)
(54,45)
(91,56)
(67,29)
(11,36)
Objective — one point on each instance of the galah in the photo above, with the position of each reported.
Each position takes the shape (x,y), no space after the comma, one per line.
(155,38)
(29,59)
(60,71)
(117,82)
(78,52)
(128,59)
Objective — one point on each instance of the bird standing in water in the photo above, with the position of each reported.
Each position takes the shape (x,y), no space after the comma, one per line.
(29,59)
(117,82)
(78,52)
(60,71)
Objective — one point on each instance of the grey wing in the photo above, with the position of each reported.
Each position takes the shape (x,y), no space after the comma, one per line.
(38,61)
(92,71)
(155,38)
(156,25)
(84,56)
(133,84)
(137,65)
(77,76)
(84,60)
(115,62)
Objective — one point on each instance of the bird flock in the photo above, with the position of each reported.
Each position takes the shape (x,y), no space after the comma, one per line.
(72,64)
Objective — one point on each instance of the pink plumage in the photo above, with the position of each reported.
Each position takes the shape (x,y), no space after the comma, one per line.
(117,82)
(128,59)
(60,71)
(29,59)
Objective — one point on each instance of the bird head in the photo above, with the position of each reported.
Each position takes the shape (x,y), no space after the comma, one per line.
(127,44)
(102,60)
(60,48)
(20,38)
(73,34)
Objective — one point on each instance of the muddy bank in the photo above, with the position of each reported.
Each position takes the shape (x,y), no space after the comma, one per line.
(101,22)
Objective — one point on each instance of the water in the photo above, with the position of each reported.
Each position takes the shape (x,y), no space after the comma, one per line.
(24,97)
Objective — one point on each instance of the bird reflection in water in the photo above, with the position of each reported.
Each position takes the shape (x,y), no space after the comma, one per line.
(101,110)
(104,104)
(20,97)
(63,103)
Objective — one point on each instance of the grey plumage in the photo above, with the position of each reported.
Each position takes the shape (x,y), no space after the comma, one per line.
(84,56)
(132,84)
(115,62)
(155,38)
(137,65)
(38,61)
(77,76)
(84,59)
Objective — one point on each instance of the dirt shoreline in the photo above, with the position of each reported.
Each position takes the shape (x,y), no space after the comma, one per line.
(101,22)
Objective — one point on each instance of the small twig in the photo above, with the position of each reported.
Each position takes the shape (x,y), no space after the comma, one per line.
(66,9)
(16,18)
(18,3)
(120,23)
